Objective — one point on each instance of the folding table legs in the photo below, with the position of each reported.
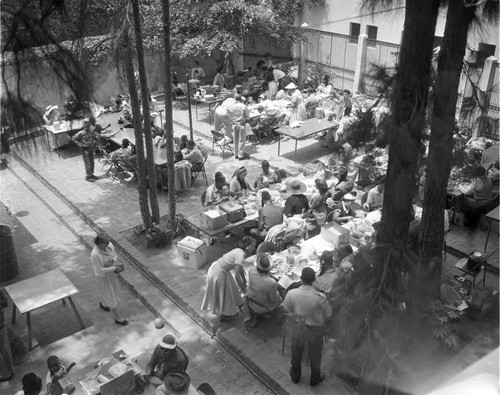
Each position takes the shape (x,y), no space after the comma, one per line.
(28,320)
(76,312)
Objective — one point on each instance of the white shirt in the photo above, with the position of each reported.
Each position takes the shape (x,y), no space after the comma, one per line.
(278,74)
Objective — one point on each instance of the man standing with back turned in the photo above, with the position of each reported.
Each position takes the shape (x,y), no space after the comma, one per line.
(309,310)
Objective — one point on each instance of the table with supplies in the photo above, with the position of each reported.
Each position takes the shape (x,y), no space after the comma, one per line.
(57,133)
(306,129)
(39,291)
(116,374)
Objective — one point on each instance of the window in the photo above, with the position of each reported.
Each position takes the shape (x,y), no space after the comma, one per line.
(371,32)
(484,51)
(354,30)
(438,40)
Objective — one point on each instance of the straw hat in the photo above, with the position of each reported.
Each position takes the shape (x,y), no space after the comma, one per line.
(290,86)
(349,197)
(264,262)
(177,382)
(168,342)
(296,187)
(48,109)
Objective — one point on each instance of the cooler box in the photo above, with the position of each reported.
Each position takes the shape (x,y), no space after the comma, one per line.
(235,211)
(192,252)
(214,218)
(335,233)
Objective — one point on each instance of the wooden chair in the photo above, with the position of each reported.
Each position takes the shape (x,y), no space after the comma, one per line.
(197,169)
(219,139)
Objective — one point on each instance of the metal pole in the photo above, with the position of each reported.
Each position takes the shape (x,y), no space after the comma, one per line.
(189,108)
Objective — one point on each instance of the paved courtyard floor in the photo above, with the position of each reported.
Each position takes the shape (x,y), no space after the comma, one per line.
(112,206)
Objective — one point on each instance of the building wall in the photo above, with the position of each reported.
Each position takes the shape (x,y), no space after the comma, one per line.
(41,86)
(337,15)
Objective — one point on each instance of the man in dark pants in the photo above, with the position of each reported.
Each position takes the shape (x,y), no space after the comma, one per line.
(309,309)
(87,140)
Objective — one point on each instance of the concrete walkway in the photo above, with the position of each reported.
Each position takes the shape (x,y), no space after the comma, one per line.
(48,234)
(113,207)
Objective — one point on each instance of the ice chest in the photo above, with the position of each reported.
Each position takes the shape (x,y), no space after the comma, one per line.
(235,211)
(192,252)
(335,233)
(214,218)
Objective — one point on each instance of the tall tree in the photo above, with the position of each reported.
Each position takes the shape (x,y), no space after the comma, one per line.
(459,19)
(408,104)
(153,196)
(168,109)
(127,57)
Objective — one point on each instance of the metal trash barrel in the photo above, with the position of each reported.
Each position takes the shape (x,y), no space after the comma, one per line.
(8,259)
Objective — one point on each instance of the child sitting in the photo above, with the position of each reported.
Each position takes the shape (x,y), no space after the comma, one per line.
(55,373)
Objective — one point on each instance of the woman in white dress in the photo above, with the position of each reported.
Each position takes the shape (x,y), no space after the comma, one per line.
(106,265)
(298,113)
(222,295)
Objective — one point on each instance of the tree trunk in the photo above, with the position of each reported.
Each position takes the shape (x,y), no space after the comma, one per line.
(139,140)
(445,95)
(168,110)
(408,104)
(153,195)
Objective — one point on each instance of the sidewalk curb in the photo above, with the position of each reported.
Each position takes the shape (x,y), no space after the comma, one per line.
(204,324)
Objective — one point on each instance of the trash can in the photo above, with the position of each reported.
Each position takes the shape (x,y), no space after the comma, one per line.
(8,259)
(192,252)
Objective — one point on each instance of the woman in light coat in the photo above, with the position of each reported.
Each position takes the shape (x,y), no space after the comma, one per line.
(106,265)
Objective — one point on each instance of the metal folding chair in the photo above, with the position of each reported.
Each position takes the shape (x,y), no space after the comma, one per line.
(219,139)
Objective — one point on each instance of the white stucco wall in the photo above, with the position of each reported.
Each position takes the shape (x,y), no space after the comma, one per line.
(337,15)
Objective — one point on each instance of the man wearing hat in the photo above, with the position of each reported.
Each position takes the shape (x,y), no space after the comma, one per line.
(262,288)
(176,383)
(297,202)
(343,211)
(166,357)
(88,139)
(310,310)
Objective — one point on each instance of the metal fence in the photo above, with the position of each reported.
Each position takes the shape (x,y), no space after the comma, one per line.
(335,51)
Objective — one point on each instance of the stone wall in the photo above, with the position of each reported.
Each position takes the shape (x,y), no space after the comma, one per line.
(41,86)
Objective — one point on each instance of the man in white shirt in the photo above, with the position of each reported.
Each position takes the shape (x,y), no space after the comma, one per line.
(375,199)
(310,310)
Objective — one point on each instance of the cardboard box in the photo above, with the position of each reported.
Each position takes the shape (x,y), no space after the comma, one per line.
(192,252)
(214,218)
(235,211)
(335,233)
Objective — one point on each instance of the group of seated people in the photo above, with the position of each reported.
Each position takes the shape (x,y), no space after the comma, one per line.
(265,294)
(301,216)
(168,364)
